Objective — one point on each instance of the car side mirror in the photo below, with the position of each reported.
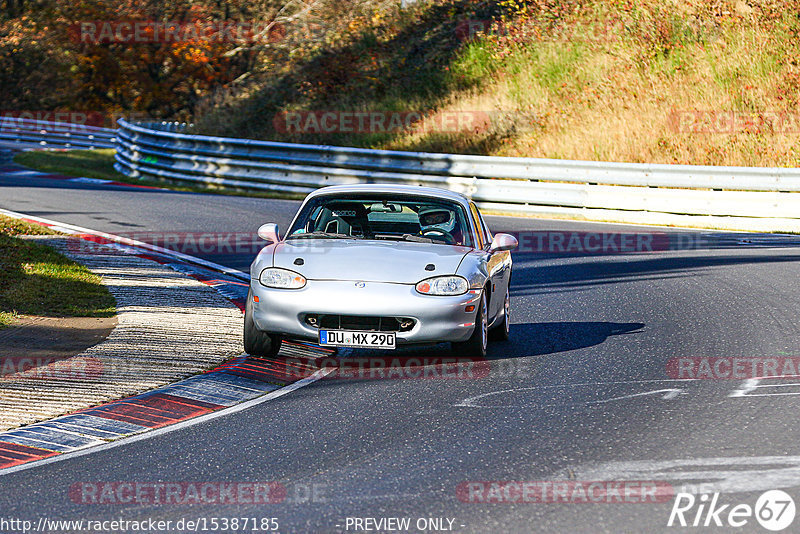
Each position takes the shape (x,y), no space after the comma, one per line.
(503,242)
(269,232)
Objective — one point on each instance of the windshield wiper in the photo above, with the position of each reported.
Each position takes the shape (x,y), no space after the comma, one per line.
(405,237)
(323,235)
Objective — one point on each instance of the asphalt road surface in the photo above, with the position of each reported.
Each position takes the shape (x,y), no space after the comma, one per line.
(587,389)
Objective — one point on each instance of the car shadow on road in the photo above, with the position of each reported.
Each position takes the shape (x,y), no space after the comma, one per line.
(536,339)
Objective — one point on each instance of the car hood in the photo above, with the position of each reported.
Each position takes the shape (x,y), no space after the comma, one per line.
(369,261)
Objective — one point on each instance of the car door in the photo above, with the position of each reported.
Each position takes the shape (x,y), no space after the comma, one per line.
(497,265)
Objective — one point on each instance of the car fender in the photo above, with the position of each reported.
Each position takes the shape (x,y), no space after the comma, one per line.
(475,269)
(263,260)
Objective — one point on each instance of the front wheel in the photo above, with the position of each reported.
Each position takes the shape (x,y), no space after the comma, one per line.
(475,346)
(502,331)
(256,342)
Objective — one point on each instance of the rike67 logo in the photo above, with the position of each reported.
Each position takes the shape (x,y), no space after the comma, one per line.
(774,510)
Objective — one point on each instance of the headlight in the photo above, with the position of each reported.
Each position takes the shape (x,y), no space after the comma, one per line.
(443,285)
(281,278)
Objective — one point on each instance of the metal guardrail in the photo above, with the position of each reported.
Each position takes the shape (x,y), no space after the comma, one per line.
(49,134)
(161,150)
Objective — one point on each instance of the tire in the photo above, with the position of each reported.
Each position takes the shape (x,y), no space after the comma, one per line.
(475,346)
(502,331)
(256,342)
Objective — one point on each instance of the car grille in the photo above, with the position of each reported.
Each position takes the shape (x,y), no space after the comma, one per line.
(360,322)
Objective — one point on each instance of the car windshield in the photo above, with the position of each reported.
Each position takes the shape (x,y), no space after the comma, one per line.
(399,218)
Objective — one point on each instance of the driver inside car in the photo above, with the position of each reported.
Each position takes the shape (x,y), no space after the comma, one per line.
(441,225)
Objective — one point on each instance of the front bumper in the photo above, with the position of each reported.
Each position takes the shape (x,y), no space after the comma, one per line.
(281,311)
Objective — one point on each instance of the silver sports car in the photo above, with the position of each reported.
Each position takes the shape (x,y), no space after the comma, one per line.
(375,266)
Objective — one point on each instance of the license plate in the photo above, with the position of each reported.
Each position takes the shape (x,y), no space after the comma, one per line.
(349,338)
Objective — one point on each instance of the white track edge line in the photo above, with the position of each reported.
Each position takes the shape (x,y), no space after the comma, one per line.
(73,229)
(147,434)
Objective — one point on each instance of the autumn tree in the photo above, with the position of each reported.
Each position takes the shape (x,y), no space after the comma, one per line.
(137,56)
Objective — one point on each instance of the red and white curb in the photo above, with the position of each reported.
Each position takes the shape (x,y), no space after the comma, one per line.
(233,386)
